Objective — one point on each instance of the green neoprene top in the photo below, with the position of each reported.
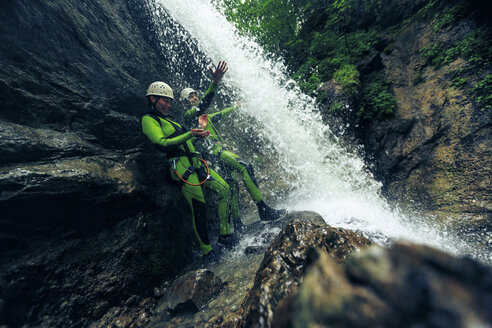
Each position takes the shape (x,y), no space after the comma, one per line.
(214,118)
(166,133)
(201,108)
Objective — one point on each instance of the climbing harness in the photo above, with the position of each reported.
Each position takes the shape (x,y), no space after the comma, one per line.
(189,171)
(175,153)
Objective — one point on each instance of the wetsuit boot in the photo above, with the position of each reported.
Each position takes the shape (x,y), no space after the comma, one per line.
(269,214)
(210,257)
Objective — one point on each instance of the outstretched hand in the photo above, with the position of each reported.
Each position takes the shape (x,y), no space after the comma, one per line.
(203,120)
(200,133)
(219,71)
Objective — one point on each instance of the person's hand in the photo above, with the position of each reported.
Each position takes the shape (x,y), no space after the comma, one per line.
(219,71)
(238,104)
(200,133)
(203,120)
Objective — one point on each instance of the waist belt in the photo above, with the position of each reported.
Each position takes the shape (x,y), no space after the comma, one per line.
(180,153)
(202,173)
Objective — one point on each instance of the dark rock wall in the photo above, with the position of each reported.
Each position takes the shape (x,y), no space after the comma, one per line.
(67,66)
(86,216)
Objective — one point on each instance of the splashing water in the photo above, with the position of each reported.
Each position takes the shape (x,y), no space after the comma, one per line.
(326,177)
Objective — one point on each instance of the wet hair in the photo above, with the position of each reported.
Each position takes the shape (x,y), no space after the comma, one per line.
(148,101)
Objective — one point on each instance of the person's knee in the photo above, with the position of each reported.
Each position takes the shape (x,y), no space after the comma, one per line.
(246,167)
(224,191)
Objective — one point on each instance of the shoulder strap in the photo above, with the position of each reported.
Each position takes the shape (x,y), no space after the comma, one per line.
(155,117)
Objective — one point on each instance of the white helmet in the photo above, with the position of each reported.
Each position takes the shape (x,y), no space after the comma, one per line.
(185,93)
(160,89)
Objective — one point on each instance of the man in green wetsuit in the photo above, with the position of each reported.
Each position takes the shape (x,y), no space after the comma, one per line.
(218,149)
(185,165)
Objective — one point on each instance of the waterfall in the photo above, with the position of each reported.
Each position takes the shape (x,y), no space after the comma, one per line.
(318,173)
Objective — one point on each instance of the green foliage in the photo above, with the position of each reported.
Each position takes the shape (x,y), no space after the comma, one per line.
(307,31)
(322,97)
(475,47)
(329,53)
(483,92)
(321,40)
(377,99)
(273,23)
(449,14)
(348,77)
(311,83)
(337,107)
(459,82)
(433,55)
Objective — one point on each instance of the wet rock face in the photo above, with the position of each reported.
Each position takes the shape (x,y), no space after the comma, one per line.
(406,285)
(71,95)
(192,291)
(391,12)
(284,265)
(435,151)
(71,66)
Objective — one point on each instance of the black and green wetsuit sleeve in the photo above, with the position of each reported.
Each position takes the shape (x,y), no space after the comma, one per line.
(204,103)
(152,129)
(215,117)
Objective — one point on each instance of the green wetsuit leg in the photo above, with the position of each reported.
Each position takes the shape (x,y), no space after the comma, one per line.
(196,201)
(231,179)
(231,160)
(235,211)
(224,192)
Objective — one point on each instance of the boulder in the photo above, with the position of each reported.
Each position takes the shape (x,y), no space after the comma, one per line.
(283,268)
(192,291)
(405,285)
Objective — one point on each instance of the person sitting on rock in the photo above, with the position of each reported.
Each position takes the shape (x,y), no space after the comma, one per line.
(186,166)
(218,149)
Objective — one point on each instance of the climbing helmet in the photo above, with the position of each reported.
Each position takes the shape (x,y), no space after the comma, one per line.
(160,89)
(185,93)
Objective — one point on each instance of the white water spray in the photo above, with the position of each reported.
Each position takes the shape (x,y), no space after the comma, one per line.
(328,179)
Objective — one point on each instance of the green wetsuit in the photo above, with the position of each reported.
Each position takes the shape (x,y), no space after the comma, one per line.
(231,160)
(177,143)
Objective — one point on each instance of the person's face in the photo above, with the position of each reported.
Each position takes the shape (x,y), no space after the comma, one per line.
(162,104)
(193,99)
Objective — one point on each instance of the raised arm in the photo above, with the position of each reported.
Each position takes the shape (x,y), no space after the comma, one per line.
(204,103)
(206,100)
(218,72)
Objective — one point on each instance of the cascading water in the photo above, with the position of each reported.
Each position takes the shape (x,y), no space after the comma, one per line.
(322,175)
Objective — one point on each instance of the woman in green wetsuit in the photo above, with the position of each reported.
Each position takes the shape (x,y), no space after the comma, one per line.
(177,143)
(218,148)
